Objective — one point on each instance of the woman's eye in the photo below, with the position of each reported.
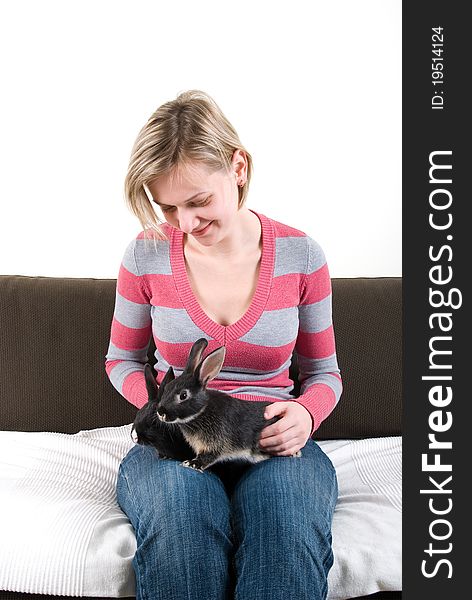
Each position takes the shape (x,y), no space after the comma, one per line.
(166,209)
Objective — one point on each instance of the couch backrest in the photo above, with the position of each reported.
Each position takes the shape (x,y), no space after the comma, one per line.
(54,335)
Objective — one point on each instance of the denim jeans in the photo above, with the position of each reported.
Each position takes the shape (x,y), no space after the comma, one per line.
(237,530)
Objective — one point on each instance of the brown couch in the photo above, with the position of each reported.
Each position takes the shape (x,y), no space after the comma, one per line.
(55,334)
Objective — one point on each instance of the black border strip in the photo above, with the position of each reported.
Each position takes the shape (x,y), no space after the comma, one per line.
(435,350)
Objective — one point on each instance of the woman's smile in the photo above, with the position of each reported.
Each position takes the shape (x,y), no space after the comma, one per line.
(202,231)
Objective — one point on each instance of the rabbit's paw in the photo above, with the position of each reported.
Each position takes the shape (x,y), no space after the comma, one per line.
(193,464)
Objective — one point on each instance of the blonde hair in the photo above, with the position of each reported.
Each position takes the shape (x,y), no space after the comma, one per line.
(189,129)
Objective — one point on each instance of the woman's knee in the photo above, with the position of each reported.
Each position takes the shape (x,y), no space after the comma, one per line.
(162,492)
(289,489)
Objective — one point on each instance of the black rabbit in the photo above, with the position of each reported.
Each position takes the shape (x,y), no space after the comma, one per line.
(217,426)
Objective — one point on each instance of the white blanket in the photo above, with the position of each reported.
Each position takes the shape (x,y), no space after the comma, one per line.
(62,532)
(367,524)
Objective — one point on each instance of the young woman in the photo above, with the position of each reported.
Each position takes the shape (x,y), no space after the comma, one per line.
(217,269)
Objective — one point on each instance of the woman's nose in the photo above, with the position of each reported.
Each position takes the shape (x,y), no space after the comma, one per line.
(187,220)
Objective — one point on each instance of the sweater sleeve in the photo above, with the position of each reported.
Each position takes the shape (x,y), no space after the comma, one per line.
(130,332)
(319,375)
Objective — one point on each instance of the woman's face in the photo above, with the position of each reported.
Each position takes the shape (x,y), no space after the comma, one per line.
(198,199)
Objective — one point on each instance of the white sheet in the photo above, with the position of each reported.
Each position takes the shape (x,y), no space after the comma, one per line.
(64,534)
(367,524)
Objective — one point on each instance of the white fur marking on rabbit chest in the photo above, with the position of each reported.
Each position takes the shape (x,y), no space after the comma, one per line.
(199,445)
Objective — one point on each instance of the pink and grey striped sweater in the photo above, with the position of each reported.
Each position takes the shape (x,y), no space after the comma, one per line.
(290,310)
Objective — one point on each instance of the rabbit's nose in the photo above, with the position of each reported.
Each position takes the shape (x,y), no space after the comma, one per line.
(161,417)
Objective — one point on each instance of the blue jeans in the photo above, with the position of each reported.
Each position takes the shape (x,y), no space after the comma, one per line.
(237,530)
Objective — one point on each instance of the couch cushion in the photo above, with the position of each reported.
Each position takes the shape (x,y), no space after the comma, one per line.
(64,534)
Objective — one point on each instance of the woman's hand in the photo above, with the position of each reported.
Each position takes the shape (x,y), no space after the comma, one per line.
(290,433)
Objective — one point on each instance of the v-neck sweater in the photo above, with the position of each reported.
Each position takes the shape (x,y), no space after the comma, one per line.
(259,300)
(290,311)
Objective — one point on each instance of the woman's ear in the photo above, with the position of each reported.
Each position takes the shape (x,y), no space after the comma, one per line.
(239,165)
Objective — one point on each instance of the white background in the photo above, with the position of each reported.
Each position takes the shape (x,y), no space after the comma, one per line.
(312,87)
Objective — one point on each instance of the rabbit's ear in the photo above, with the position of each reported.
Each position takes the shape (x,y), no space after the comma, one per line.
(195,354)
(151,384)
(210,366)
(169,376)
(155,391)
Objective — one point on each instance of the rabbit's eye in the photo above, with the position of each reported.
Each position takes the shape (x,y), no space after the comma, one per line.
(183,395)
